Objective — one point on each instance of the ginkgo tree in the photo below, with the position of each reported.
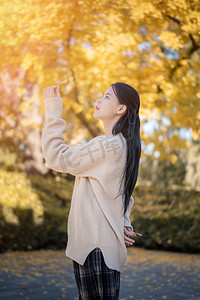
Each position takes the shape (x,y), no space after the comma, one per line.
(151,45)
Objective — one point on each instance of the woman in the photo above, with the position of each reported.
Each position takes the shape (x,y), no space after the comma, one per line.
(106,171)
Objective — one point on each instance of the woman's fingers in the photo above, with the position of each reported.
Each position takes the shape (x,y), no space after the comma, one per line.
(128,232)
(58,91)
(128,240)
(51,91)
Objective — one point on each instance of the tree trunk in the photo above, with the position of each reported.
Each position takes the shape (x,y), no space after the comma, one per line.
(34,162)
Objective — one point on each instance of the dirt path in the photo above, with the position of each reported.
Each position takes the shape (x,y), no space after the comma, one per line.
(48,274)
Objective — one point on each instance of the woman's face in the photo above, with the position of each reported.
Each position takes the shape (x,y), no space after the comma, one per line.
(107,106)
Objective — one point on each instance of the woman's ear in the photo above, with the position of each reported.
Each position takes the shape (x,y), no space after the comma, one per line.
(122,109)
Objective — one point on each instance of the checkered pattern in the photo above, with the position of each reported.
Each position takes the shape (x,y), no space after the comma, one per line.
(95,281)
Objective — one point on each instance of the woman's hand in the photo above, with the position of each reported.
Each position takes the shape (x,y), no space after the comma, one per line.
(49,92)
(128,232)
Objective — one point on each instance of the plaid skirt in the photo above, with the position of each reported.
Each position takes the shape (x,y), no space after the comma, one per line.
(95,280)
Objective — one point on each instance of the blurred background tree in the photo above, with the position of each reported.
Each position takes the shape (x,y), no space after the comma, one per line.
(152,45)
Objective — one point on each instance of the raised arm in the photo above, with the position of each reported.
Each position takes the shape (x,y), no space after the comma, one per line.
(81,160)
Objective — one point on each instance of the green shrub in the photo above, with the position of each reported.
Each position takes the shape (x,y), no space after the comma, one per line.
(34,212)
(168,218)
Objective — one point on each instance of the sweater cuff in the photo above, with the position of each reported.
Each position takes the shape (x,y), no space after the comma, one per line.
(53,106)
(127,224)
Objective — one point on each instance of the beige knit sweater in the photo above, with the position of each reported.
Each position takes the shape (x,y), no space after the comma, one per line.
(96,217)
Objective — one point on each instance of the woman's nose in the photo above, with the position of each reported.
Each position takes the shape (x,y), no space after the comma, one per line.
(97,102)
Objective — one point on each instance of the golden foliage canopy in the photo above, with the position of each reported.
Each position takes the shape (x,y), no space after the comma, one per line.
(151,45)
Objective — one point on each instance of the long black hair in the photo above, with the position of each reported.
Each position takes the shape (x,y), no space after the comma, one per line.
(129,126)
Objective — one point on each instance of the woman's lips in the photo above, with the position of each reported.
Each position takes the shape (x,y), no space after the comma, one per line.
(96,108)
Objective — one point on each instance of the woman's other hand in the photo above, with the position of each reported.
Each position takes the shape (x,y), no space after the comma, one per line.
(128,232)
(49,92)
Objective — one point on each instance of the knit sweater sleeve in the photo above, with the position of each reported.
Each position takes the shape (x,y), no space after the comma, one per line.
(127,221)
(82,160)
